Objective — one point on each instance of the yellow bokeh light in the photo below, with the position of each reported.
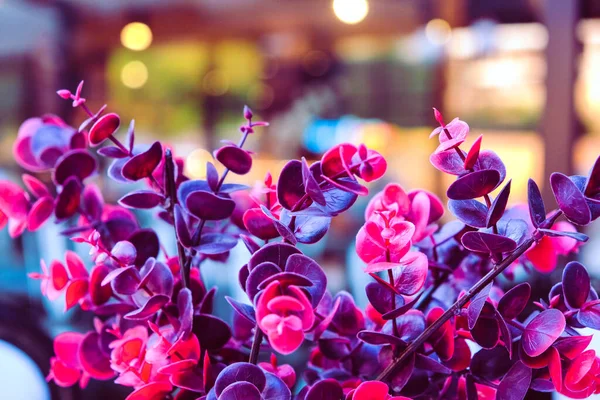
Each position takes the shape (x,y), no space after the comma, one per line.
(350,11)
(195,163)
(136,36)
(438,31)
(134,74)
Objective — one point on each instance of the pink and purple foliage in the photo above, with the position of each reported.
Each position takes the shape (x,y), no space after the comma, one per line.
(438,324)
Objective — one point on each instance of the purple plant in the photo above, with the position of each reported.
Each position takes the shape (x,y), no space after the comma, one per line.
(434,290)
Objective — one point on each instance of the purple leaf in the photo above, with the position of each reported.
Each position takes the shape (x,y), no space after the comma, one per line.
(104,127)
(541,332)
(473,185)
(157,278)
(93,203)
(402,309)
(208,206)
(514,301)
(570,200)
(181,228)
(259,225)
(212,332)
(290,187)
(277,253)
(476,305)
(245,310)
(488,160)
(143,165)
(411,274)
(429,364)
(275,388)
(504,333)
(212,176)
(589,314)
(68,200)
(257,276)
(40,211)
(240,372)
(286,279)
(404,372)
(115,170)
(537,210)
(235,159)
(348,185)
(307,267)
(592,187)
(281,228)
(112,152)
(146,244)
(575,284)
(186,312)
(144,199)
(488,243)
(515,384)
(380,297)
(311,185)
(486,331)
(216,243)
(378,338)
(410,325)
(232,187)
(77,163)
(308,229)
(327,389)
(473,153)
(490,364)
(123,280)
(131,136)
(498,206)
(93,360)
(240,390)
(580,237)
(153,304)
(448,162)
(471,212)
(189,187)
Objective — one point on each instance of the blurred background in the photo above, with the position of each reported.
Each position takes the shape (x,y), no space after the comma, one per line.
(522,72)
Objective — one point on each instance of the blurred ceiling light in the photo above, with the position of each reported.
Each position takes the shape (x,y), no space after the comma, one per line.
(215,83)
(136,36)
(195,163)
(134,74)
(438,31)
(515,37)
(350,11)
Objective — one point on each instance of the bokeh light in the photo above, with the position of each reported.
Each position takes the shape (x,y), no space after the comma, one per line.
(136,36)
(134,74)
(350,11)
(438,31)
(195,163)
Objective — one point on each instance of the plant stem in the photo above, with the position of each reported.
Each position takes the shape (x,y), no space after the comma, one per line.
(170,193)
(256,342)
(391,279)
(450,312)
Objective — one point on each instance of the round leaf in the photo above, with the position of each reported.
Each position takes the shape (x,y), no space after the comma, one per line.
(103,128)
(541,332)
(474,184)
(235,159)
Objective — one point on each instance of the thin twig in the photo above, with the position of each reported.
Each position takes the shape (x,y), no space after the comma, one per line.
(450,312)
(172,199)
